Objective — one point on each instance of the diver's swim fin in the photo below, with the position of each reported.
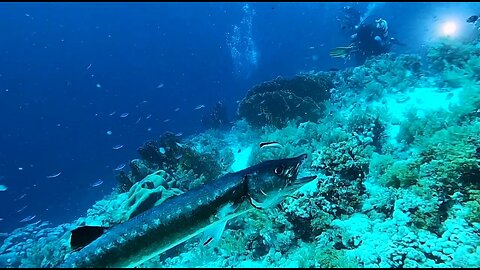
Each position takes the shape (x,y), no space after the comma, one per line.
(341,52)
(82,236)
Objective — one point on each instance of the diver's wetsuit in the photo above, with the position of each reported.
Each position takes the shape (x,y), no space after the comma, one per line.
(365,42)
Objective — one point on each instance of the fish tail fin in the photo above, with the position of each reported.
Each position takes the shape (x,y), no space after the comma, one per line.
(84,235)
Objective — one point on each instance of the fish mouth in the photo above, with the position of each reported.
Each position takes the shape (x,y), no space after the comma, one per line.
(304,180)
(293,173)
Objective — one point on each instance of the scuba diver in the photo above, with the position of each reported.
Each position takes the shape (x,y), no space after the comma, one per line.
(370,38)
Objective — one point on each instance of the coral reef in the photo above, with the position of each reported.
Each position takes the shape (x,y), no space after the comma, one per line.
(277,101)
(169,154)
(397,177)
(457,62)
(383,74)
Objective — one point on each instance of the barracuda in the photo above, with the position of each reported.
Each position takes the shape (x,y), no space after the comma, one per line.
(202,210)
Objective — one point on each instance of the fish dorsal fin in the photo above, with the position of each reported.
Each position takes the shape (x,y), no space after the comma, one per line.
(82,236)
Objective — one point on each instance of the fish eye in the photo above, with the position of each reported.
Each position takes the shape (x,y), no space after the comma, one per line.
(278,170)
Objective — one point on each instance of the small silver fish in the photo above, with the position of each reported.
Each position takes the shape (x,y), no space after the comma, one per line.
(123,115)
(179,144)
(97,183)
(118,146)
(177,109)
(35,223)
(54,175)
(119,167)
(199,107)
(21,197)
(28,218)
(166,120)
(162,150)
(21,209)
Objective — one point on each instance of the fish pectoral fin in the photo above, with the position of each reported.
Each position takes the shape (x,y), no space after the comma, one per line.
(84,235)
(255,204)
(212,234)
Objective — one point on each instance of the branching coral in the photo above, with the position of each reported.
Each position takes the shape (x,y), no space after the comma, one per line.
(448,164)
(367,125)
(383,74)
(458,62)
(452,152)
(348,159)
(415,127)
(401,174)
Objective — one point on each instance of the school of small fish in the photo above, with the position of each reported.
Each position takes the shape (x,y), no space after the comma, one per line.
(120,166)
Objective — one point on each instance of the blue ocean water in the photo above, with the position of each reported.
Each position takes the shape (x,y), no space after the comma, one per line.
(54,55)
(83,85)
